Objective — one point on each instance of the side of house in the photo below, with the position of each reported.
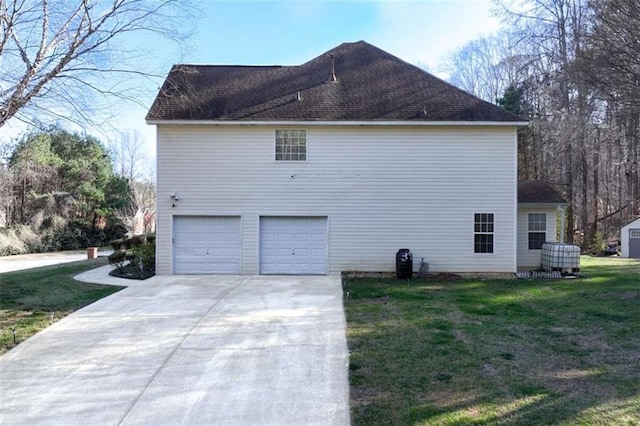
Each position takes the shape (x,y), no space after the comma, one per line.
(354,195)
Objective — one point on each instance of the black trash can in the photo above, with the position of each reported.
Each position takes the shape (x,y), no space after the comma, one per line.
(404,264)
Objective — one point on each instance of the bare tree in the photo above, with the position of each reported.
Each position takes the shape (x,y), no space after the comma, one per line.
(139,214)
(611,61)
(131,162)
(53,54)
(128,156)
(486,66)
(6,195)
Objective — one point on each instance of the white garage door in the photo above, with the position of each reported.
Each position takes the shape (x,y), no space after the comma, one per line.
(206,245)
(293,245)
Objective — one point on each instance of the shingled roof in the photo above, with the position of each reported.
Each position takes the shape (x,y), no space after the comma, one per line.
(538,192)
(370,84)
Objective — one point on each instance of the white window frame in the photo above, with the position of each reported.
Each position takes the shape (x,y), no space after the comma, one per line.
(539,227)
(482,228)
(291,134)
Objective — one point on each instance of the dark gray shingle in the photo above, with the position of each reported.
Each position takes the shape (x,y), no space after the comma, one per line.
(371,85)
(538,192)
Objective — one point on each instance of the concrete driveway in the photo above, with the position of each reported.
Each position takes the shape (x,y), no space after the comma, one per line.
(191,350)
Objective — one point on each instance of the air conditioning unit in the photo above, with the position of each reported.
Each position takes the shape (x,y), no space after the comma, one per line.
(561,257)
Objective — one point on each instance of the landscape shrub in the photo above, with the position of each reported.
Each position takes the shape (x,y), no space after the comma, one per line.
(56,233)
(50,241)
(30,240)
(53,223)
(145,256)
(133,242)
(117,244)
(137,263)
(10,243)
(114,230)
(118,259)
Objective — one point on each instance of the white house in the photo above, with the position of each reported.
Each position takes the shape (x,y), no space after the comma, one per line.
(630,239)
(333,166)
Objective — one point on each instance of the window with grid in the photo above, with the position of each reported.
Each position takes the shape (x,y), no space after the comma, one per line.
(291,145)
(537,230)
(483,233)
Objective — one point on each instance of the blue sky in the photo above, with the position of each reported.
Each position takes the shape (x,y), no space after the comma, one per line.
(291,32)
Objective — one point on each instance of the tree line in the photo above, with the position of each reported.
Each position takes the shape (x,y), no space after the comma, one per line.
(572,68)
(59,190)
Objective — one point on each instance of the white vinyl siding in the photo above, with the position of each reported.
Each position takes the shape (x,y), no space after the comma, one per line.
(381,187)
(528,258)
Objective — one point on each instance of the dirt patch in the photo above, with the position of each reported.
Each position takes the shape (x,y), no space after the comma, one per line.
(359,274)
(8,318)
(440,276)
(444,276)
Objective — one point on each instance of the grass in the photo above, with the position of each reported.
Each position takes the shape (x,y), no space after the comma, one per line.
(480,352)
(33,299)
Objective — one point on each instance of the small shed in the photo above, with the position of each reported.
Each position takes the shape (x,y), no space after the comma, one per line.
(630,239)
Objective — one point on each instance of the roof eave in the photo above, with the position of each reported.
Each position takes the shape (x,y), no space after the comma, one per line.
(543,205)
(337,123)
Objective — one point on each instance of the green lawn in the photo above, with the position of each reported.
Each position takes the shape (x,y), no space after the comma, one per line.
(33,299)
(472,351)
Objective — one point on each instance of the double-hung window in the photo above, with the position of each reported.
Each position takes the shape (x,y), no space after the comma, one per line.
(483,233)
(537,230)
(291,145)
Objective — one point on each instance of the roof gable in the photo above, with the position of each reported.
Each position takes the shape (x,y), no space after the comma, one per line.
(370,85)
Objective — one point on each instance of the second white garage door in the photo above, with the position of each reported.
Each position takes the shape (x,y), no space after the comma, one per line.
(293,245)
(206,245)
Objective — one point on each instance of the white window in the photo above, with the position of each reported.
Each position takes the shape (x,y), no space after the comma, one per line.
(291,145)
(483,233)
(537,230)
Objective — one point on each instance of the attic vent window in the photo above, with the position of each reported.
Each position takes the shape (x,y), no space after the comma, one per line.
(291,145)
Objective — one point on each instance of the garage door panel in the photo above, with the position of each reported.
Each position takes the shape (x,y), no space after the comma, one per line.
(284,237)
(303,238)
(207,245)
(293,245)
(303,252)
(283,253)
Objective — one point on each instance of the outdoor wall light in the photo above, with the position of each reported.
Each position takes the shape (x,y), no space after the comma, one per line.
(174,197)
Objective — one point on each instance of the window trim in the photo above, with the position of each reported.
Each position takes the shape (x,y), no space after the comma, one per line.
(531,232)
(306,145)
(491,233)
